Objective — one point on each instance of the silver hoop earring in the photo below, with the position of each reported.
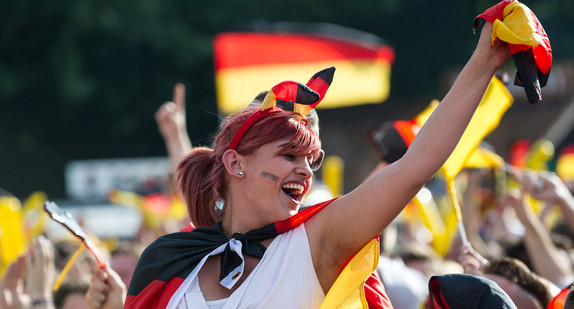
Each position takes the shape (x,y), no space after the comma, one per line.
(239,173)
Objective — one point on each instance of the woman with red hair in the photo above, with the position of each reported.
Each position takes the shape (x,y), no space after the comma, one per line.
(256,250)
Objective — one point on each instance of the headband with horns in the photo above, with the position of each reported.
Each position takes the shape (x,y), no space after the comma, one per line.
(304,98)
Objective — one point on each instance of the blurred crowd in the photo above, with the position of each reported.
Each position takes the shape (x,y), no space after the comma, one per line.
(517,221)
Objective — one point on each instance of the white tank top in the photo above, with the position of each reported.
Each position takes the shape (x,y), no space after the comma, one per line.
(284,278)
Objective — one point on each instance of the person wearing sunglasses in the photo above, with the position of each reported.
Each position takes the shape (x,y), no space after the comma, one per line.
(259,251)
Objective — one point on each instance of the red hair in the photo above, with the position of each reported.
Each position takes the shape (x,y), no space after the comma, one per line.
(201,174)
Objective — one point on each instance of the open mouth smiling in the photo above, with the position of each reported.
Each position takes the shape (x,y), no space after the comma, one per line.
(294,190)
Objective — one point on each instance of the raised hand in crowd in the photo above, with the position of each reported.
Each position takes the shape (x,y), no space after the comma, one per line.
(28,280)
(171,121)
(548,187)
(12,294)
(471,261)
(107,290)
(473,212)
(547,260)
(41,273)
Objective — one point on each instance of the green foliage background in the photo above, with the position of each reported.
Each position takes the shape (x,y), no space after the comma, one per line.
(82,79)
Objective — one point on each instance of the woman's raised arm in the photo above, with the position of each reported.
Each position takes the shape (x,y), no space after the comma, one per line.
(341,229)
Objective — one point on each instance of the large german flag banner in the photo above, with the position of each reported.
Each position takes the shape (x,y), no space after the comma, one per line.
(247,63)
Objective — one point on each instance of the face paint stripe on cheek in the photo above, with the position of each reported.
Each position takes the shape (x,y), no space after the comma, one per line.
(274,178)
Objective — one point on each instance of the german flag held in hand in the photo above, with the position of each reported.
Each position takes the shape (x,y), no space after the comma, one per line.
(514,23)
(247,63)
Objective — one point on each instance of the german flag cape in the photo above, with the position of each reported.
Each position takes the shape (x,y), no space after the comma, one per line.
(166,263)
(558,301)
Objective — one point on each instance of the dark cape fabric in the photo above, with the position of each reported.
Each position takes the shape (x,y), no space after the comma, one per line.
(164,265)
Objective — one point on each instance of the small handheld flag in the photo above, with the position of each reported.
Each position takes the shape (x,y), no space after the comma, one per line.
(65,218)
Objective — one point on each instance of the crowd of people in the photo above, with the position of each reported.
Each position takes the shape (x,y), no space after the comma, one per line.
(251,241)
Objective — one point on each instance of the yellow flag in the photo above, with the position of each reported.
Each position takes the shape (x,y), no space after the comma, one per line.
(12,241)
(565,163)
(519,26)
(541,152)
(484,158)
(494,104)
(177,208)
(428,213)
(348,290)
(423,116)
(451,223)
(34,216)
(333,168)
